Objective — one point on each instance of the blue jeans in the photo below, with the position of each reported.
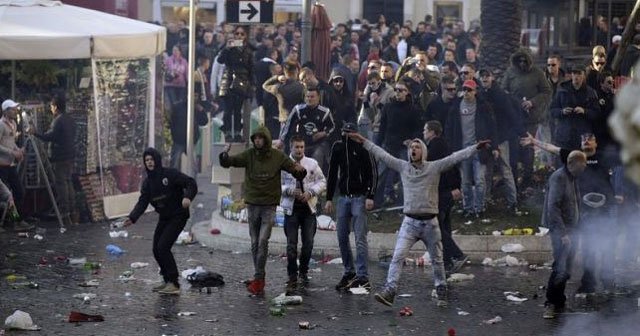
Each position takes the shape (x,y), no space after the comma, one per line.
(561,270)
(473,174)
(305,221)
(261,219)
(411,231)
(503,168)
(352,209)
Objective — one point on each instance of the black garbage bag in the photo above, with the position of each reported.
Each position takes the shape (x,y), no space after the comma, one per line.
(205,280)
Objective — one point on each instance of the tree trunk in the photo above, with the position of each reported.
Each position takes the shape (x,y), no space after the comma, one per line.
(501,25)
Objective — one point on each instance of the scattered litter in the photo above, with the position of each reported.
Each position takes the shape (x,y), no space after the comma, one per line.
(512,248)
(185,238)
(485,221)
(75,317)
(358,291)
(126,276)
(284,300)
(463,313)
(371,313)
(326,223)
(405,295)
(119,234)
(469,222)
(406,311)
(335,261)
(496,233)
(535,267)
(504,261)
(514,298)
(315,270)
(186,273)
(211,321)
(63,230)
(29,284)
(23,234)
(20,320)
(118,224)
(494,320)
(92,265)
(200,206)
(277,311)
(15,277)
(44,261)
(206,280)
(86,297)
(458,277)
(38,237)
(517,232)
(305,325)
(542,231)
(186,313)
(138,264)
(215,231)
(127,294)
(114,250)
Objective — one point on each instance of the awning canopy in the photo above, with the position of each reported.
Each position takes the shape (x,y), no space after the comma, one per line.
(46,29)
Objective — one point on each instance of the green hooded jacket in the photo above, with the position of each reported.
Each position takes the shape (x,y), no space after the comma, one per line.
(262,170)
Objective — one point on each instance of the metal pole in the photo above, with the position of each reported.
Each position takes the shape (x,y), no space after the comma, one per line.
(192,51)
(13,79)
(609,30)
(305,26)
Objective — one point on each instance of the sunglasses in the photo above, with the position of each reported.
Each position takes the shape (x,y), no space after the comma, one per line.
(551,65)
(466,89)
(372,67)
(239,34)
(451,89)
(600,63)
(399,90)
(464,72)
(609,82)
(338,80)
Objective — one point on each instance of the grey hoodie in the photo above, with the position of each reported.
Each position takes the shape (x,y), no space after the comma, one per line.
(420,181)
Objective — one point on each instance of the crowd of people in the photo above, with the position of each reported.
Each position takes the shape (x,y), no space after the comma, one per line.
(384,126)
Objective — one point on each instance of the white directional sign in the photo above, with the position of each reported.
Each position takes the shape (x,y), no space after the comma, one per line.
(244,12)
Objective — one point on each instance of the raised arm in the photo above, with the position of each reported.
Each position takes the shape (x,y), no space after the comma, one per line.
(530,140)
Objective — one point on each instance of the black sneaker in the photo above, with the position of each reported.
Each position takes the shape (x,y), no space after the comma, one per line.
(468,214)
(441,293)
(385,297)
(361,282)
(346,281)
(304,279)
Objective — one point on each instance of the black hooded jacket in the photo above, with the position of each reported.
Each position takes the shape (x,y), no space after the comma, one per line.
(164,189)
(353,168)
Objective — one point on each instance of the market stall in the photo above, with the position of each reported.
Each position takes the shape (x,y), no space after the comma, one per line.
(117,113)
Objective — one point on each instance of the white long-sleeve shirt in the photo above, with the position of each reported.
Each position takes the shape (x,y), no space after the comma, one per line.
(314,183)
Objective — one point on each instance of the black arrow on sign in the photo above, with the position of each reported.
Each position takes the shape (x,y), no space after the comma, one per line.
(252,11)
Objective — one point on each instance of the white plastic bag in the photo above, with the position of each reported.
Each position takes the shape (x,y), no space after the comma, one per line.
(20,320)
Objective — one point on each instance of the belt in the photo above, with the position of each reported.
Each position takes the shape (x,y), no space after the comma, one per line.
(421,216)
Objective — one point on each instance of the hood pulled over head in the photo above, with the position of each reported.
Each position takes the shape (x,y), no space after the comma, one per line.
(264,132)
(157,159)
(424,150)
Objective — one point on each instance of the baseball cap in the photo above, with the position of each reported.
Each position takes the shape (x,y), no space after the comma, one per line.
(470,84)
(7,104)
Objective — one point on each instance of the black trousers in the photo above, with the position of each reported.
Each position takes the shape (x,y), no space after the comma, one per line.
(450,249)
(165,235)
(304,221)
(9,175)
(232,114)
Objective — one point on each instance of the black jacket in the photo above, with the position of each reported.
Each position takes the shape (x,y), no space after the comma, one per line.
(399,121)
(569,127)
(164,189)
(178,123)
(62,136)
(438,110)
(485,126)
(306,121)
(509,118)
(238,73)
(437,148)
(353,168)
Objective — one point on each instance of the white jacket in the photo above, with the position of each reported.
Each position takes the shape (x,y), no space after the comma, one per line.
(315,183)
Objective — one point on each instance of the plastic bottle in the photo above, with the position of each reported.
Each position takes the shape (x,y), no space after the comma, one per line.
(114,250)
(284,300)
(279,217)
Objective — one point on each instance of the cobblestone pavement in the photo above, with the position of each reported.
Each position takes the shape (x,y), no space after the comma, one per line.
(130,308)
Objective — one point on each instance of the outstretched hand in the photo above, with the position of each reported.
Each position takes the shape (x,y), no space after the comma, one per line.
(482,144)
(527,140)
(355,136)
